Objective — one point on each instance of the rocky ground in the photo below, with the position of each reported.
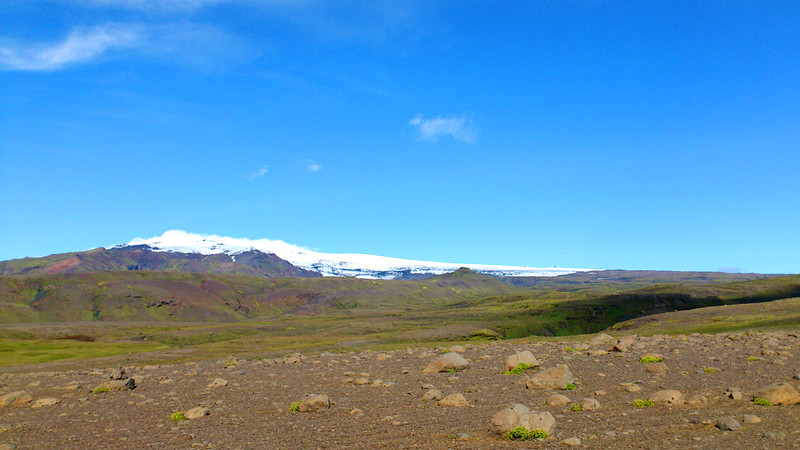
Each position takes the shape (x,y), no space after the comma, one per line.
(388,400)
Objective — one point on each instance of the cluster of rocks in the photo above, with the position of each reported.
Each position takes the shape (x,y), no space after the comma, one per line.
(549,378)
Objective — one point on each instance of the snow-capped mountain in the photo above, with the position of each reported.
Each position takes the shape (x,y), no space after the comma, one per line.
(330,264)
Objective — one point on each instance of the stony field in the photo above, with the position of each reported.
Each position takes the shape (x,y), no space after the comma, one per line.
(698,392)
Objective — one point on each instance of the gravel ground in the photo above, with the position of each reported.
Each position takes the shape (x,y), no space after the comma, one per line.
(253,409)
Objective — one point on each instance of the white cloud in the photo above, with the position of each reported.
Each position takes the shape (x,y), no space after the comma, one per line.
(459,128)
(311,166)
(257,174)
(81,45)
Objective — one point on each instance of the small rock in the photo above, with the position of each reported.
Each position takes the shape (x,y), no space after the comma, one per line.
(448,362)
(196,413)
(16,398)
(624,343)
(524,357)
(456,400)
(49,401)
(314,402)
(118,385)
(118,374)
(734,393)
(631,387)
(557,400)
(572,442)
(360,381)
(589,404)
(668,397)
(728,423)
(600,339)
(697,400)
(218,382)
(658,367)
(750,418)
(557,377)
(357,412)
(777,436)
(519,415)
(433,394)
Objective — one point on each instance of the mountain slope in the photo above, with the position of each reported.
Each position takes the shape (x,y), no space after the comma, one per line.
(142,257)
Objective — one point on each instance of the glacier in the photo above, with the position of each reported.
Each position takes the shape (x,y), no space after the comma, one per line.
(332,264)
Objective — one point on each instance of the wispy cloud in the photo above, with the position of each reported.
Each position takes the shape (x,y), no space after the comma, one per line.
(154,5)
(194,44)
(81,45)
(257,174)
(459,128)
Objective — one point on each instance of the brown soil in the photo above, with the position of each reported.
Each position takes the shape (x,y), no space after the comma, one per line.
(253,410)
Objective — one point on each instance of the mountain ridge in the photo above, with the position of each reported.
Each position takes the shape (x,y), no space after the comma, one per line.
(142,257)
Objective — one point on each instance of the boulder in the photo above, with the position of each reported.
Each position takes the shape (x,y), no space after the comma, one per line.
(779,394)
(557,377)
(519,415)
(446,363)
(523,357)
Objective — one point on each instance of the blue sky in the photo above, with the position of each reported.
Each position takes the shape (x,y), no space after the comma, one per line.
(598,134)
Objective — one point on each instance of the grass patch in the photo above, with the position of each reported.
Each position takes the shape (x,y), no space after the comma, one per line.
(651,359)
(521,367)
(100,390)
(45,350)
(642,403)
(295,407)
(576,407)
(709,370)
(571,386)
(753,358)
(761,401)
(178,416)
(521,434)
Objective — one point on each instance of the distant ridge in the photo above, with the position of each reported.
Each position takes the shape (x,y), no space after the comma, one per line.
(142,257)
